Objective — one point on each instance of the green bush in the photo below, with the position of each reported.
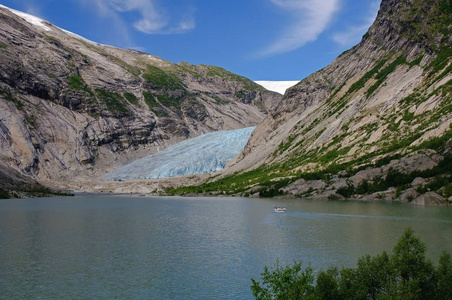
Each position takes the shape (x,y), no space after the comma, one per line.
(289,282)
(404,274)
(4,194)
(346,191)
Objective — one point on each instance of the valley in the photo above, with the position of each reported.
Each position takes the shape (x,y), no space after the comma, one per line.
(373,125)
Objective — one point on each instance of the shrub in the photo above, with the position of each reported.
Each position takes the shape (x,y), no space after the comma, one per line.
(4,194)
(404,274)
(289,282)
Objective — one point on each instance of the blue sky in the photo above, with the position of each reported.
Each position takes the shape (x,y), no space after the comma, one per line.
(259,39)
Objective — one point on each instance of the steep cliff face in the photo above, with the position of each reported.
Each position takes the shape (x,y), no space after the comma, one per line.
(73,108)
(388,97)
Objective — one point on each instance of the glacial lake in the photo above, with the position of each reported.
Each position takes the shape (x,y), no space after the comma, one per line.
(131,247)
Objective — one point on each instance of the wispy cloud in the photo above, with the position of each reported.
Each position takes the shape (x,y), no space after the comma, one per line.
(352,34)
(310,19)
(153,18)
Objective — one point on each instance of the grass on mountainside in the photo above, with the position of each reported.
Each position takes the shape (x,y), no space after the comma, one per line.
(114,102)
(9,96)
(160,79)
(131,98)
(248,85)
(76,82)
(267,180)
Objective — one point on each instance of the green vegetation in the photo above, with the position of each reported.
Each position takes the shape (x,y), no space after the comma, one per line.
(333,154)
(441,61)
(150,100)
(248,85)
(153,105)
(416,61)
(160,79)
(3,46)
(383,74)
(131,98)
(5,194)
(362,81)
(268,180)
(32,191)
(408,116)
(442,174)
(184,67)
(353,48)
(404,274)
(114,102)
(40,191)
(436,143)
(9,96)
(158,102)
(427,24)
(168,101)
(289,282)
(446,6)
(76,82)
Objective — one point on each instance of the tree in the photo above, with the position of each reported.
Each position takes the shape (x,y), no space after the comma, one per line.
(406,274)
(414,272)
(444,277)
(289,282)
(373,277)
(327,287)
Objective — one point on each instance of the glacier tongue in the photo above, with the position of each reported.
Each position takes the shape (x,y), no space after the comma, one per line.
(204,154)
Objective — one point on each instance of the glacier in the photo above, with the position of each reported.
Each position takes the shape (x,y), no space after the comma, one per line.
(277,86)
(204,154)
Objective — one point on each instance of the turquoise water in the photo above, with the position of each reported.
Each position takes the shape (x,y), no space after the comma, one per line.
(104,247)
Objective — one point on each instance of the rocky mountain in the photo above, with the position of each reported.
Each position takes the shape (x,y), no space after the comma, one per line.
(71,108)
(375,124)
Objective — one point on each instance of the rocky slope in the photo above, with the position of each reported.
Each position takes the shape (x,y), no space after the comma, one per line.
(368,124)
(72,109)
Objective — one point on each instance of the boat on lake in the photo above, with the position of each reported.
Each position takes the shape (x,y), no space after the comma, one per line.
(279,209)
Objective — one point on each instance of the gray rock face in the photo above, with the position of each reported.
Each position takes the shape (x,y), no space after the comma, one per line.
(71,108)
(383,98)
(429,198)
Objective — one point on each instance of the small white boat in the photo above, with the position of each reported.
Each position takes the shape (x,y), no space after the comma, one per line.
(279,209)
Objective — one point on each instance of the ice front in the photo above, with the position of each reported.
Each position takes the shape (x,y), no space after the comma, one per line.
(204,154)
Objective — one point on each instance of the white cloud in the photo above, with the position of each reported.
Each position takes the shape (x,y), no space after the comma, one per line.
(311,18)
(353,34)
(153,19)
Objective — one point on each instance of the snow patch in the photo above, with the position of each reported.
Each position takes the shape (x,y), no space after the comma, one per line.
(204,154)
(155,58)
(43,24)
(277,86)
(38,22)
(74,35)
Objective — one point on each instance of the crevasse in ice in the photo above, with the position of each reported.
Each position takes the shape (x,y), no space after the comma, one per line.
(204,154)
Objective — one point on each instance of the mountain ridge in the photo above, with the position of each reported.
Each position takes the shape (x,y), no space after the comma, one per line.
(72,108)
(387,97)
